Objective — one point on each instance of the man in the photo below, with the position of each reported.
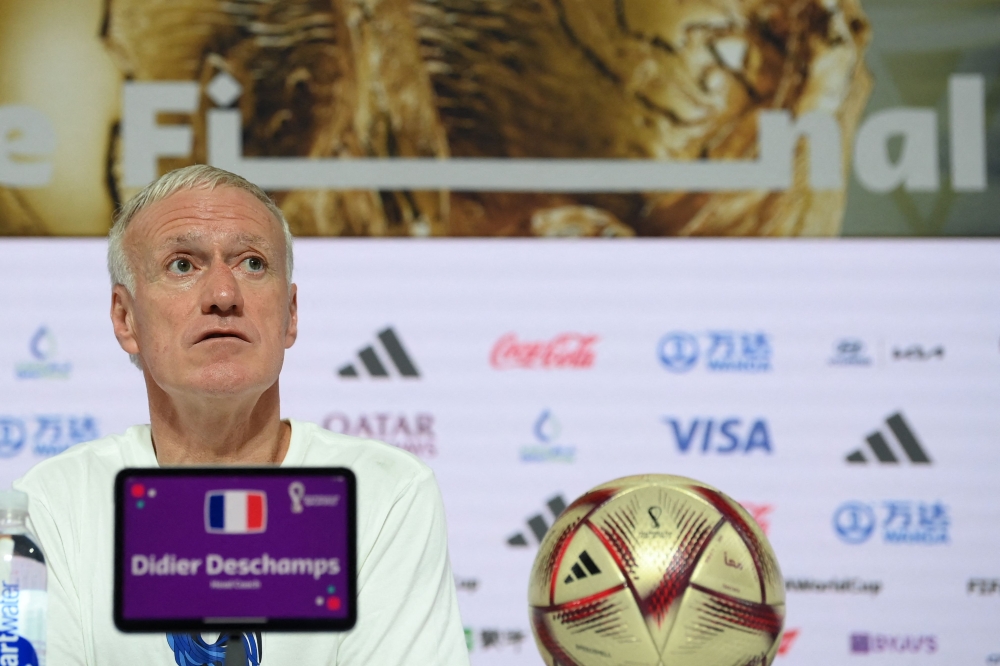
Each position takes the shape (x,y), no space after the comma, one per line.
(202,300)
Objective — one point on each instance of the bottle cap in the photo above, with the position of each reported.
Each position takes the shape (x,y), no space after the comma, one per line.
(13,500)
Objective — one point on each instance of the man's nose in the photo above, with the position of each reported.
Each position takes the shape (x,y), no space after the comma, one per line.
(221,294)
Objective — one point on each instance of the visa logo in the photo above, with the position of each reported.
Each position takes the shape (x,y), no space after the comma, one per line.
(235,511)
(725,436)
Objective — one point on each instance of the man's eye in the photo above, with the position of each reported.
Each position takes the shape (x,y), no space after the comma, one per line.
(180,266)
(254,264)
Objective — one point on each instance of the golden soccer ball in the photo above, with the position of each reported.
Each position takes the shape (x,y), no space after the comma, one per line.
(659,570)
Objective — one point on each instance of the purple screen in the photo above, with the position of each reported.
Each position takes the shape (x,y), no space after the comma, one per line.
(211,547)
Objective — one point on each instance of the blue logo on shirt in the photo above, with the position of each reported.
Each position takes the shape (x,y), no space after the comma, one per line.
(193,650)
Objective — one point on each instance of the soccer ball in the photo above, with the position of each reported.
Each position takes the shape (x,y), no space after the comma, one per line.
(656,570)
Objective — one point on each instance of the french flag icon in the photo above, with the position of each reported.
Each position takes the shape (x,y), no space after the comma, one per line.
(235,511)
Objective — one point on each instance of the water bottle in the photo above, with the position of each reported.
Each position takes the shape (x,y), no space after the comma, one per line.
(22,585)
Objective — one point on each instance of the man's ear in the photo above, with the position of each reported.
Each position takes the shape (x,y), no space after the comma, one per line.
(123,319)
(293,316)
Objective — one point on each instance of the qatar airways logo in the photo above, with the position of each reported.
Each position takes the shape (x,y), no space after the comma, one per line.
(564,351)
(413,432)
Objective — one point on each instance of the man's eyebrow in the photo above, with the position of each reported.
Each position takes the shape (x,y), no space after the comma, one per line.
(181,239)
(252,239)
(191,236)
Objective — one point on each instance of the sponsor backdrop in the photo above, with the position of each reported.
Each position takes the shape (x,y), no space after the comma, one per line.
(513,117)
(845,392)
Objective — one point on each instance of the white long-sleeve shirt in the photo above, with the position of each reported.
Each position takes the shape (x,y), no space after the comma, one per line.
(407,609)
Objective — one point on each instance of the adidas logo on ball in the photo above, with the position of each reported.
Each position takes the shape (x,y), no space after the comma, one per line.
(578,571)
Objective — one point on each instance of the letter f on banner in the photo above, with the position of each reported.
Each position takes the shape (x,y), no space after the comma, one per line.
(143,141)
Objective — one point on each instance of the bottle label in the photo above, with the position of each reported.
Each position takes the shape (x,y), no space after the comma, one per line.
(15,650)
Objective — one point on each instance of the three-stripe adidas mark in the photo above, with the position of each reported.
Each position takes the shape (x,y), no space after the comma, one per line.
(883,452)
(538,524)
(578,571)
(372,362)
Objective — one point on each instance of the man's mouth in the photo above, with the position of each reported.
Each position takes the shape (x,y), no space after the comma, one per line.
(222,334)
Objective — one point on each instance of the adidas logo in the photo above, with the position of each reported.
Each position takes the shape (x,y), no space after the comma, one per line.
(537,522)
(884,453)
(578,571)
(373,363)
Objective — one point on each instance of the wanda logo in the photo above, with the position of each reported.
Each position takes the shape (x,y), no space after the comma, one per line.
(567,350)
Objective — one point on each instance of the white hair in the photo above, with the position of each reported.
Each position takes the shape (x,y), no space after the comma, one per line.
(198,176)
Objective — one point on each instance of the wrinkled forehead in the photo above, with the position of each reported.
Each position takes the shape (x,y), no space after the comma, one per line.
(201,218)
(207,234)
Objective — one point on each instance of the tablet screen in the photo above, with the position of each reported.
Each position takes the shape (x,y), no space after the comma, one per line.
(215,549)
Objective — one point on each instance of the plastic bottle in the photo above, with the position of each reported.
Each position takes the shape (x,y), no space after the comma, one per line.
(23,597)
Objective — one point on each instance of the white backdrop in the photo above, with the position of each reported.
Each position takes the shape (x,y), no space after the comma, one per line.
(547,367)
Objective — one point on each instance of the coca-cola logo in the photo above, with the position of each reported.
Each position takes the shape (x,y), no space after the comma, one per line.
(787,638)
(761,514)
(566,350)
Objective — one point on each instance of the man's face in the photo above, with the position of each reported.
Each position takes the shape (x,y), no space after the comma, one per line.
(212,312)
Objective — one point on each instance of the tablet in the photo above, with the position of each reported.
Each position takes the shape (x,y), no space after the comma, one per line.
(235,549)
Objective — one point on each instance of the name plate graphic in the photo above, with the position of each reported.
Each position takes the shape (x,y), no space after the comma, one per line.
(227,549)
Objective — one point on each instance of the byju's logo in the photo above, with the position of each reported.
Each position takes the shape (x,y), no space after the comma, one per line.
(865,643)
(719,351)
(373,362)
(42,346)
(720,436)
(903,522)
(235,511)
(883,452)
(410,432)
(537,523)
(850,352)
(918,353)
(546,449)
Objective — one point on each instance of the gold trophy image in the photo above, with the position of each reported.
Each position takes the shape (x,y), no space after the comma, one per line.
(606,80)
